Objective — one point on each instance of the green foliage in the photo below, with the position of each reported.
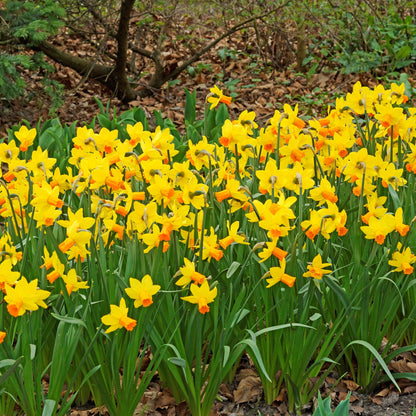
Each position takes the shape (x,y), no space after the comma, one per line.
(324,407)
(359,36)
(390,45)
(31,21)
(27,23)
(11,83)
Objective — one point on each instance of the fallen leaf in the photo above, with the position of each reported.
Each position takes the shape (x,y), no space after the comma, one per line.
(343,395)
(410,389)
(225,392)
(245,372)
(249,389)
(376,400)
(357,409)
(402,366)
(383,393)
(351,385)
(281,397)
(165,399)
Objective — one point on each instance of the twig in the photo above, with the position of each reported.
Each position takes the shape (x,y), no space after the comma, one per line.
(229,32)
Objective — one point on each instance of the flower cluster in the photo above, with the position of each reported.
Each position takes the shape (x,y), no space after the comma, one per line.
(247,190)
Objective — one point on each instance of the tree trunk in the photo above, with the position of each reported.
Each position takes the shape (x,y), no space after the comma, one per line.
(117,80)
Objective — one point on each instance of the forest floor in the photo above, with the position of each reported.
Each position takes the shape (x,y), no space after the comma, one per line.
(262,92)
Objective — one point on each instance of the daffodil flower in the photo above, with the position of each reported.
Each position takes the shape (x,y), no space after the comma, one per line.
(25,297)
(73,283)
(316,269)
(25,137)
(189,274)
(216,96)
(142,291)
(278,275)
(403,260)
(118,318)
(202,295)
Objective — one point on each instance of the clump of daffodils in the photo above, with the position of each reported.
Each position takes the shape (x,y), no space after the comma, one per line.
(137,188)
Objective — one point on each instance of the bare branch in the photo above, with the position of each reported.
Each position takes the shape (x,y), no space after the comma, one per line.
(229,32)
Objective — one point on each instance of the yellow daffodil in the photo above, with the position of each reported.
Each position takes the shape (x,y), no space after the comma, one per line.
(233,236)
(202,295)
(73,282)
(25,137)
(8,152)
(154,237)
(375,207)
(232,134)
(272,250)
(271,178)
(8,250)
(199,154)
(25,297)
(76,230)
(232,190)
(313,225)
(278,275)
(299,178)
(323,193)
(401,228)
(58,268)
(402,260)
(194,193)
(136,133)
(117,318)
(246,119)
(216,96)
(378,229)
(7,276)
(41,165)
(142,291)
(316,269)
(210,249)
(189,274)
(106,140)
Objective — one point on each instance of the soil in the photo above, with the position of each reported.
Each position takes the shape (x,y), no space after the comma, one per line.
(244,397)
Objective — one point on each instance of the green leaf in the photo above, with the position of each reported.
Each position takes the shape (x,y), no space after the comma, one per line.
(378,357)
(13,365)
(283,326)
(239,316)
(324,407)
(409,376)
(65,407)
(343,407)
(32,351)
(251,343)
(190,107)
(158,118)
(180,362)
(49,407)
(226,355)
(394,197)
(192,133)
(232,269)
(69,319)
(315,317)
(104,121)
(403,53)
(221,115)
